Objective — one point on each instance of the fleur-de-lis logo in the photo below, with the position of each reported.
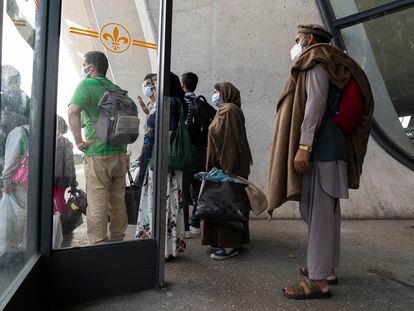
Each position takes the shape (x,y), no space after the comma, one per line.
(115,37)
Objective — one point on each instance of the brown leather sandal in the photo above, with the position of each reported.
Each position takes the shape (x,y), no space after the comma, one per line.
(298,292)
(304,272)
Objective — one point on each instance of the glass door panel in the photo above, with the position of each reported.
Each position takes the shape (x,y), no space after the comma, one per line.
(118,39)
(18,238)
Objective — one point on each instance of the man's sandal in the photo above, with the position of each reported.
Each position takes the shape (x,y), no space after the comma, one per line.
(298,291)
(304,272)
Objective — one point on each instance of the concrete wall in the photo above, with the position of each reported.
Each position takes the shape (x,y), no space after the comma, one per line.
(248,43)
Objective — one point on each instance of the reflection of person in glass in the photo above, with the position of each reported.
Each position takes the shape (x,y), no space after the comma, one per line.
(65,175)
(17,148)
(14,106)
(105,164)
(13,205)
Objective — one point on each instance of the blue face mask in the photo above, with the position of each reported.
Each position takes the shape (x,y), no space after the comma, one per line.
(216,99)
(84,72)
(147,90)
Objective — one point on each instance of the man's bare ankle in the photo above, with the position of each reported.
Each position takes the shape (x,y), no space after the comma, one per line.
(323,284)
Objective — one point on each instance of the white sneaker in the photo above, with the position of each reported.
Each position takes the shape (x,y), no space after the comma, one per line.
(195,230)
(187,234)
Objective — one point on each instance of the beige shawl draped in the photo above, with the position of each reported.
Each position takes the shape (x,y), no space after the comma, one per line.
(284,182)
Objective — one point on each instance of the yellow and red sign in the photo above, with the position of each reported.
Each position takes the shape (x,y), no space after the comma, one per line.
(114,37)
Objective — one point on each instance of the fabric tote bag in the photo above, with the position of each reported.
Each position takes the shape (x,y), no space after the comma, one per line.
(132,198)
(180,150)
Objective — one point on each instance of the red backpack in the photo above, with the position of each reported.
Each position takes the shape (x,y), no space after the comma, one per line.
(351,107)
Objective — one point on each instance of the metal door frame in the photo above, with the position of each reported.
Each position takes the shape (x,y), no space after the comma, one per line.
(71,276)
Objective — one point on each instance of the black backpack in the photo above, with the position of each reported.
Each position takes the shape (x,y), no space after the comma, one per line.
(118,122)
(199,118)
(75,207)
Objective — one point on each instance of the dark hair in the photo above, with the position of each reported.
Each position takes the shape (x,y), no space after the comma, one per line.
(320,39)
(175,86)
(190,80)
(151,76)
(99,60)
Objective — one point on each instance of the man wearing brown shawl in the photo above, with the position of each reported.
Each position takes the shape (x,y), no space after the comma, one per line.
(312,161)
(228,149)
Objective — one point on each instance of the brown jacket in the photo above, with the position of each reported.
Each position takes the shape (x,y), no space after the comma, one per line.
(284,182)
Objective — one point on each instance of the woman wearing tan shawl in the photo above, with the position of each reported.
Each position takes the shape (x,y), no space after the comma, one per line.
(227,149)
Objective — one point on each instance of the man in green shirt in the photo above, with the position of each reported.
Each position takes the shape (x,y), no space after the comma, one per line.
(105,165)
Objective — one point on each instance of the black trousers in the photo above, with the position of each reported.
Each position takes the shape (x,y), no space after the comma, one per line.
(191,187)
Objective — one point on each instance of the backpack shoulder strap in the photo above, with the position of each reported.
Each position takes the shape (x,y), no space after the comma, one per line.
(201,98)
(116,88)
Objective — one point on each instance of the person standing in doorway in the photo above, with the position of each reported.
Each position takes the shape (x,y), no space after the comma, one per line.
(174,226)
(65,174)
(149,89)
(199,117)
(313,160)
(105,164)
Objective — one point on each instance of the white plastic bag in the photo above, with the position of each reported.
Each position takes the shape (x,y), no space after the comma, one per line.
(57,232)
(12,223)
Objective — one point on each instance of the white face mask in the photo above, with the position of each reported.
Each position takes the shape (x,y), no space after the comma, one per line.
(296,51)
(84,73)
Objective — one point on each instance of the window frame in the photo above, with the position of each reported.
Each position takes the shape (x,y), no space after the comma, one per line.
(335,26)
